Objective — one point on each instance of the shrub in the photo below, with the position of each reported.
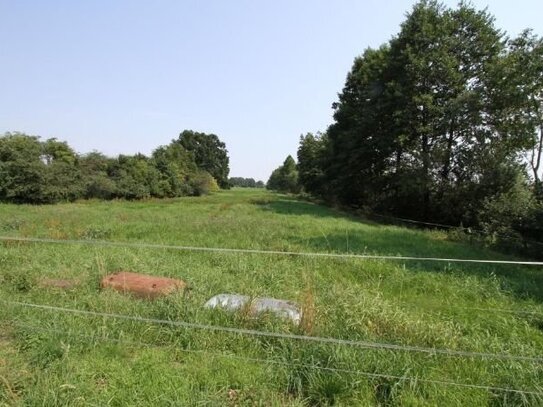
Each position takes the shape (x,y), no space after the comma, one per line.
(203,183)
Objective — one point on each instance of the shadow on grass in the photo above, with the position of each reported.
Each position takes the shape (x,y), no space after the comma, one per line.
(293,206)
(523,281)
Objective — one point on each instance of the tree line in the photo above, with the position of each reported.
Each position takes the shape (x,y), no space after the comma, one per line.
(245,182)
(36,171)
(441,124)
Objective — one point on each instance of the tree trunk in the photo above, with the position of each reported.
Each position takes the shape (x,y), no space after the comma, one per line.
(398,161)
(448,155)
(426,175)
(536,155)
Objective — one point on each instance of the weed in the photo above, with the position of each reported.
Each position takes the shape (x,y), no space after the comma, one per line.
(11,224)
(95,233)
(308,309)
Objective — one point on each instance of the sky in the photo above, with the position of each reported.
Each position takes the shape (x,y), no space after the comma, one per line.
(129,76)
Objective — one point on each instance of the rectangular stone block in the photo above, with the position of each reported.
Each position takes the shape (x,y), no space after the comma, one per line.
(142,285)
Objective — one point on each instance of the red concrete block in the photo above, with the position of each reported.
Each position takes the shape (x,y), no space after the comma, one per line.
(142,285)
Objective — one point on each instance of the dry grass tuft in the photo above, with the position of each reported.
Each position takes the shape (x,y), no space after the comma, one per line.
(307,323)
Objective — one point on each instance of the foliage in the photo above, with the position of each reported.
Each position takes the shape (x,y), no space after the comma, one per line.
(311,162)
(133,176)
(209,154)
(21,168)
(95,169)
(35,171)
(203,183)
(522,79)
(513,215)
(176,168)
(436,123)
(245,182)
(285,177)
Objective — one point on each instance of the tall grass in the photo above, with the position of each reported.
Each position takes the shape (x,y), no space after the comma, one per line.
(56,359)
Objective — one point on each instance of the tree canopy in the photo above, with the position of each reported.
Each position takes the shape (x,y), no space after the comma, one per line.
(36,171)
(437,124)
(209,154)
(285,177)
(245,182)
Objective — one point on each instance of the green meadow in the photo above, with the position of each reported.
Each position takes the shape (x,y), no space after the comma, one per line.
(55,358)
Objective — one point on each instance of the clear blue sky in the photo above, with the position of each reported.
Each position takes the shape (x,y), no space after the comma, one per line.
(128,76)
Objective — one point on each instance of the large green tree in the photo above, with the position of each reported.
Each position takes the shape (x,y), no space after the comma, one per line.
(175,166)
(285,177)
(22,172)
(95,168)
(441,68)
(428,126)
(521,82)
(312,153)
(62,176)
(37,171)
(209,154)
(362,139)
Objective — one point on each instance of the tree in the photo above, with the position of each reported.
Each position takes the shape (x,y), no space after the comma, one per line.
(62,177)
(361,140)
(22,172)
(514,218)
(209,154)
(32,171)
(133,176)
(521,77)
(176,167)
(95,169)
(441,62)
(242,182)
(434,126)
(421,128)
(35,171)
(311,162)
(285,177)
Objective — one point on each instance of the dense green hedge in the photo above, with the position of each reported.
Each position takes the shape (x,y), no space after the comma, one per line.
(37,171)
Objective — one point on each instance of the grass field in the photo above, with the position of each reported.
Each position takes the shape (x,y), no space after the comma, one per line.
(52,358)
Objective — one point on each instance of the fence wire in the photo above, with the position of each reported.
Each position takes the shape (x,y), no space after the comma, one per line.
(265,252)
(371,375)
(254,332)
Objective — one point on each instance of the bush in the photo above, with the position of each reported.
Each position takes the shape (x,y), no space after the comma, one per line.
(509,217)
(203,183)
(99,186)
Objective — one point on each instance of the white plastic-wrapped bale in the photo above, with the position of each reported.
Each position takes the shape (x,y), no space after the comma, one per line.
(230,302)
(282,308)
(234,302)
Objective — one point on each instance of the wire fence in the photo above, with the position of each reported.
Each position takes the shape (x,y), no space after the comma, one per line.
(468,230)
(264,252)
(481,309)
(288,253)
(280,335)
(288,336)
(289,364)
